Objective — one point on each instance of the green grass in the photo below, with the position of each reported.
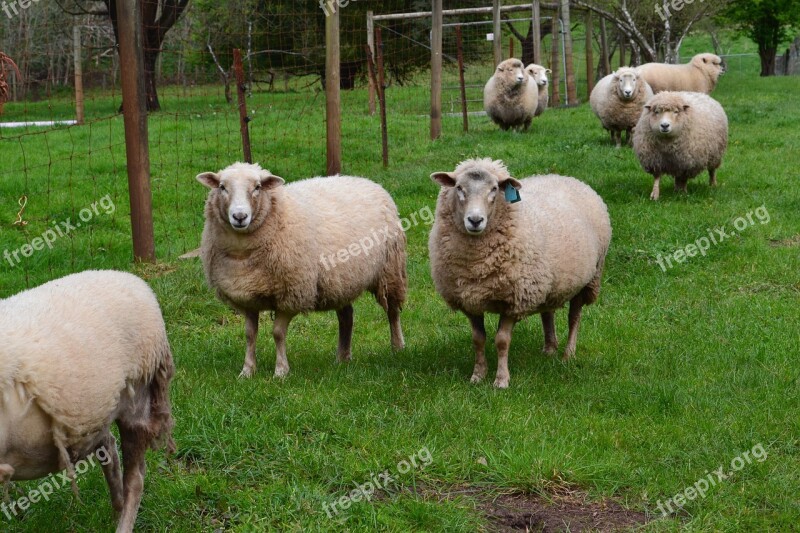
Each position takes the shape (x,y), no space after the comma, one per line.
(677,372)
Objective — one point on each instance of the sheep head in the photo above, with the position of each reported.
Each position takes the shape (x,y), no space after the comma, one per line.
(711,64)
(538,74)
(240,196)
(667,114)
(472,191)
(512,71)
(626,81)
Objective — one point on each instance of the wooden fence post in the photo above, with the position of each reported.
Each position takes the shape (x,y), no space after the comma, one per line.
(589,55)
(371,52)
(134,110)
(238,70)
(461,83)
(537,33)
(497,32)
(436,70)
(332,94)
(76,51)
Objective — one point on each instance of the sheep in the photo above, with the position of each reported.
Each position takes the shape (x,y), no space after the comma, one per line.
(492,255)
(77,354)
(508,98)
(313,245)
(537,75)
(700,75)
(681,134)
(617,100)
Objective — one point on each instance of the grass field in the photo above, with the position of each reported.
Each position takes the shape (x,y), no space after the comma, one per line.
(678,372)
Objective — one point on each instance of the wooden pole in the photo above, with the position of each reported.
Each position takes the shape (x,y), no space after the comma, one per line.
(569,67)
(621,49)
(76,50)
(555,98)
(537,33)
(371,53)
(382,99)
(136,136)
(436,70)
(511,47)
(604,48)
(589,55)
(238,70)
(497,32)
(462,84)
(332,94)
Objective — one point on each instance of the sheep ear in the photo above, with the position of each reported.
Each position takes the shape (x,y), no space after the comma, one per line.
(648,108)
(445,179)
(270,181)
(686,107)
(511,181)
(209,179)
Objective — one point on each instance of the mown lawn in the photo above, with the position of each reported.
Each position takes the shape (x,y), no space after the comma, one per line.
(678,372)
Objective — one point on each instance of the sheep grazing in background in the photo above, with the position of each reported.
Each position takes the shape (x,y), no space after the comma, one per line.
(312,245)
(516,258)
(537,75)
(681,134)
(617,100)
(77,354)
(508,98)
(700,75)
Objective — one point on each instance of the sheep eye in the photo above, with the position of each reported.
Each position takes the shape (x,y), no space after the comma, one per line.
(222,187)
(258,187)
(494,189)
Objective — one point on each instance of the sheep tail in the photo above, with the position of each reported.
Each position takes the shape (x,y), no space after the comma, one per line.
(160,422)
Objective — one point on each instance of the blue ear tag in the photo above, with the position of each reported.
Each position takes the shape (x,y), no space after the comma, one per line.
(512,194)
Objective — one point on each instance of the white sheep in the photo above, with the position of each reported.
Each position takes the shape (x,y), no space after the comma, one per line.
(490,255)
(617,100)
(537,75)
(700,75)
(312,245)
(681,134)
(77,354)
(509,100)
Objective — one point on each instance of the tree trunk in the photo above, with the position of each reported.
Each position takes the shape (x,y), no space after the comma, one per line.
(150,59)
(767,56)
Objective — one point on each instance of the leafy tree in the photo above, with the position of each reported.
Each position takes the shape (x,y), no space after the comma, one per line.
(767,23)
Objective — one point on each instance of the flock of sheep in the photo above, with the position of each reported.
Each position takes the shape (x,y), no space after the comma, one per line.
(498,245)
(674,126)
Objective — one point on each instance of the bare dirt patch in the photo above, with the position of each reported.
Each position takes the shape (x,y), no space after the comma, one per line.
(785,243)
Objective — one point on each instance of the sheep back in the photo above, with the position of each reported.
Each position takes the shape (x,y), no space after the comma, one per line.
(695,76)
(699,146)
(292,262)
(75,345)
(539,253)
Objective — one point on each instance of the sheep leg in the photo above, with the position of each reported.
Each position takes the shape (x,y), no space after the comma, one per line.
(393,311)
(617,135)
(575,306)
(112,472)
(479,344)
(134,444)
(6,473)
(629,137)
(502,342)
(549,326)
(345,315)
(656,187)
(712,177)
(680,184)
(251,331)
(279,329)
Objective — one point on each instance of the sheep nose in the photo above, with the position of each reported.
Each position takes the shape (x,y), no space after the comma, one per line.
(520,78)
(240,217)
(475,220)
(664,127)
(628,93)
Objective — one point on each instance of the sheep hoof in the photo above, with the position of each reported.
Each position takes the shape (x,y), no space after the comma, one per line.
(344,357)
(247,372)
(549,350)
(501,383)
(281,372)
(654,195)
(476,378)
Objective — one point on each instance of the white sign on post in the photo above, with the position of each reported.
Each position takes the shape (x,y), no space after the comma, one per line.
(490,36)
